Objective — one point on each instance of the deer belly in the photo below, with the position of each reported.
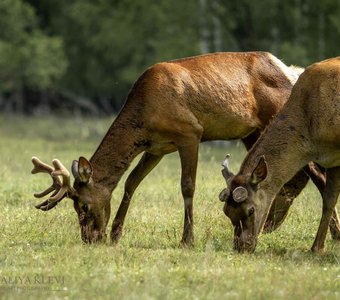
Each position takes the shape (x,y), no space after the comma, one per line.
(227,131)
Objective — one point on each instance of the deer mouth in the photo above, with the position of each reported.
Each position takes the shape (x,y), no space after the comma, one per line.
(244,246)
(243,241)
(92,236)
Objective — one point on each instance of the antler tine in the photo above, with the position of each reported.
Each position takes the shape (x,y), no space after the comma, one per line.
(61,188)
(225,162)
(66,188)
(46,205)
(60,170)
(41,167)
(225,171)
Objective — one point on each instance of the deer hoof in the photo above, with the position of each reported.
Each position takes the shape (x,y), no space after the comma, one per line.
(116,235)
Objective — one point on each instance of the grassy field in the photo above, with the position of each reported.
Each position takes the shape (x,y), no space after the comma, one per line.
(42,256)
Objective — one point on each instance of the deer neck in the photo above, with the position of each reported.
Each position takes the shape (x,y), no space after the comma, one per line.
(285,148)
(121,144)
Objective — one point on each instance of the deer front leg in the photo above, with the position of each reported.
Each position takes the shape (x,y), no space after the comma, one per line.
(329,197)
(143,168)
(291,190)
(318,176)
(189,157)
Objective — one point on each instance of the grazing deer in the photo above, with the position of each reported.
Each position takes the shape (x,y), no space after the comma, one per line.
(306,129)
(173,106)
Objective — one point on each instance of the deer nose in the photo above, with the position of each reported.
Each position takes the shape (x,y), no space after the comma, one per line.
(244,242)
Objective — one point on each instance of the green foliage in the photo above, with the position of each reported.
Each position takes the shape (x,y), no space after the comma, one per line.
(28,57)
(45,61)
(97,49)
(147,263)
(110,43)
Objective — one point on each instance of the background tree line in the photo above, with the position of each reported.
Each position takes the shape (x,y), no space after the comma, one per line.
(84,55)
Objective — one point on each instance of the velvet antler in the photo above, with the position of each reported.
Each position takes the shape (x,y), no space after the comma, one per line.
(61,186)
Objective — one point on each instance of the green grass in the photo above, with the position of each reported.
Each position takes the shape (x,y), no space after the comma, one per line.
(147,263)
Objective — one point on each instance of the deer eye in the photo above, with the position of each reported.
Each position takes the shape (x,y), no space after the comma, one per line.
(85,207)
(251,211)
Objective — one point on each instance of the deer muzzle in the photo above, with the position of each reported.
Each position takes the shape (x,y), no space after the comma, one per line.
(92,236)
(244,241)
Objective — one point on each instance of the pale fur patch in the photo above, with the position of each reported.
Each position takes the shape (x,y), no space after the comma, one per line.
(292,72)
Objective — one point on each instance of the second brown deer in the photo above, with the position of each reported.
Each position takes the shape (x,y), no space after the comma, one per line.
(174,106)
(307,129)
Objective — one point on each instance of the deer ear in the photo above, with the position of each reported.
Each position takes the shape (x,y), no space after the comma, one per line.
(85,170)
(260,172)
(74,169)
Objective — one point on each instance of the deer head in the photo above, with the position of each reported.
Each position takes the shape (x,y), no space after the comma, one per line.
(91,201)
(243,202)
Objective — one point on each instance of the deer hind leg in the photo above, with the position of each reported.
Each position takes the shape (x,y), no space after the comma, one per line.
(143,168)
(189,157)
(329,198)
(334,225)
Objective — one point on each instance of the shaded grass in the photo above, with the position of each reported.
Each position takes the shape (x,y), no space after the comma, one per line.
(147,263)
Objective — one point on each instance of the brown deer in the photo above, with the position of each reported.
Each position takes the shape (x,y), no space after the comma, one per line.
(173,106)
(307,129)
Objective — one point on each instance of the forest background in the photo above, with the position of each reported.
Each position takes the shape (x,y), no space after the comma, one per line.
(83,56)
